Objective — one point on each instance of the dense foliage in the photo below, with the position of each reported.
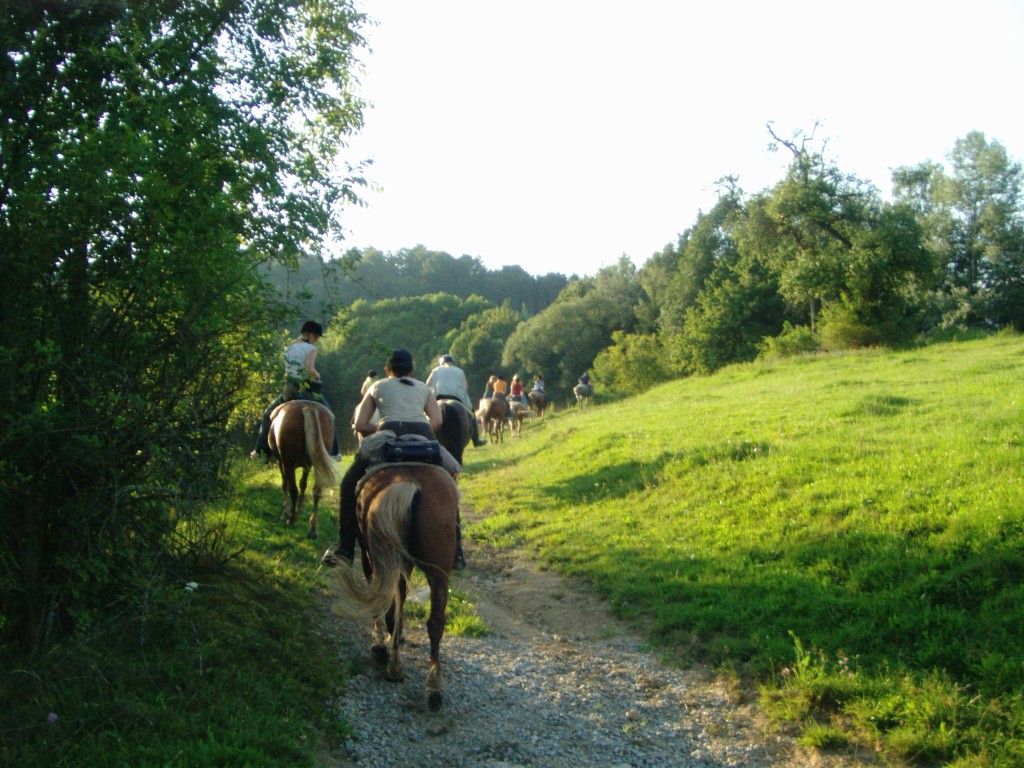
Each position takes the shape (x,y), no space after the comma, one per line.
(154,156)
(317,287)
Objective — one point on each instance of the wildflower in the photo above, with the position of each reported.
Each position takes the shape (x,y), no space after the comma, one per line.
(191,586)
(52,717)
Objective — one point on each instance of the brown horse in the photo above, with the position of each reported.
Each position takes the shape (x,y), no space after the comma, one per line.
(407,519)
(456,426)
(583,394)
(493,413)
(517,411)
(539,400)
(301,432)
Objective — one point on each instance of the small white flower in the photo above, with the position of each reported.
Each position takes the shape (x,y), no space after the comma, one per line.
(191,586)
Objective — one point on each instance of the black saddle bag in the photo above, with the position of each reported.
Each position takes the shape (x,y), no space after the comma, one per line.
(423,451)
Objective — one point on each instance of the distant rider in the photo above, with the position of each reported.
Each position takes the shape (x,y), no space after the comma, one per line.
(447,380)
(301,381)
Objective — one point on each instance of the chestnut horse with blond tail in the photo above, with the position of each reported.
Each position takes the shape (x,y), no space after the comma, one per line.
(301,433)
(407,515)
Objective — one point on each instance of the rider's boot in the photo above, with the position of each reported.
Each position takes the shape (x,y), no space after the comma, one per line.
(477,441)
(344,553)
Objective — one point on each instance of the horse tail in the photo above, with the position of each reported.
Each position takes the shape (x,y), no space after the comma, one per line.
(387,530)
(326,471)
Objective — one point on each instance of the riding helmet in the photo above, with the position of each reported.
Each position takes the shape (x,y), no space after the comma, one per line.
(312,326)
(446,359)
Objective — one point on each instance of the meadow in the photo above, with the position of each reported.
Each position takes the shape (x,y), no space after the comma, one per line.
(845,530)
(844,533)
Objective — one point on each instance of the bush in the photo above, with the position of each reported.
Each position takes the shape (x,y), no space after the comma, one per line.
(794,340)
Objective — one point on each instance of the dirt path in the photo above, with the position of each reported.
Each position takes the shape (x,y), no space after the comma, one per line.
(557,682)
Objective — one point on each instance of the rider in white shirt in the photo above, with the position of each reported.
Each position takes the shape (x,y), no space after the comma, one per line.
(447,380)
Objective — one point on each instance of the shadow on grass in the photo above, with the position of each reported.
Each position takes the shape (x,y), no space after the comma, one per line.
(616,481)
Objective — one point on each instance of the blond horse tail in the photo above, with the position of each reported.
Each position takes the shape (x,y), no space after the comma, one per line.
(326,472)
(387,527)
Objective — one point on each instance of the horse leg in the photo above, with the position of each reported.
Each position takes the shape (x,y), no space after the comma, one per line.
(378,646)
(435,630)
(396,669)
(291,493)
(314,518)
(297,509)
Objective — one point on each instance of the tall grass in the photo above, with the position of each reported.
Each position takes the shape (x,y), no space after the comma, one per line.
(847,528)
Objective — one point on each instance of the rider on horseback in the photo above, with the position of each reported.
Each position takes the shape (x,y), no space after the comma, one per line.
(301,381)
(447,380)
(406,407)
(517,390)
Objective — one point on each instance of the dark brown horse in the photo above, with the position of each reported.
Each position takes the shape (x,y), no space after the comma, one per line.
(456,426)
(493,414)
(407,519)
(301,433)
(539,401)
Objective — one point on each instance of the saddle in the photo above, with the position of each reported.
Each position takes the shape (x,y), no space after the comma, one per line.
(422,451)
(384,447)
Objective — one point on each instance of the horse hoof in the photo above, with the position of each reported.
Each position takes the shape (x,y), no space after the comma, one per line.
(379,654)
(396,672)
(435,700)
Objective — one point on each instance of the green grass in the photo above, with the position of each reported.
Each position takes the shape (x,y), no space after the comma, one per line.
(238,670)
(867,507)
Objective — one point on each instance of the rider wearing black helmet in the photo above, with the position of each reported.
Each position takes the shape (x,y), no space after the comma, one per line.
(301,380)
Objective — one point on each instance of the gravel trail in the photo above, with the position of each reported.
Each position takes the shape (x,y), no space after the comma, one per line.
(557,683)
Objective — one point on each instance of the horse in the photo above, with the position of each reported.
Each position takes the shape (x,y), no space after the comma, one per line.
(301,433)
(583,394)
(517,411)
(539,400)
(456,426)
(493,413)
(407,515)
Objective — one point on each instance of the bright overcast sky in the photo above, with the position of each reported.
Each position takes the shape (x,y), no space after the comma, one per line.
(560,135)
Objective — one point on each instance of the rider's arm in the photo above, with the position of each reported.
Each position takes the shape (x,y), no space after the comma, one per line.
(433,411)
(310,369)
(364,426)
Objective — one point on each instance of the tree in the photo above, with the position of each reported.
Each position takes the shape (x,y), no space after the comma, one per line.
(973,220)
(562,341)
(154,156)
(477,345)
(633,363)
(363,336)
(708,243)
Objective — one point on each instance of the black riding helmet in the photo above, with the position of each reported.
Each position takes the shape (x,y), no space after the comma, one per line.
(312,326)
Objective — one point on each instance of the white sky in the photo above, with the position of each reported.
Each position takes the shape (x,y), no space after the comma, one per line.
(560,134)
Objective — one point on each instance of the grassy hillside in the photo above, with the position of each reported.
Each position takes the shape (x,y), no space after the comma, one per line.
(847,528)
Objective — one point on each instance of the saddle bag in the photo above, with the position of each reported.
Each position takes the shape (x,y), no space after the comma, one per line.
(424,451)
